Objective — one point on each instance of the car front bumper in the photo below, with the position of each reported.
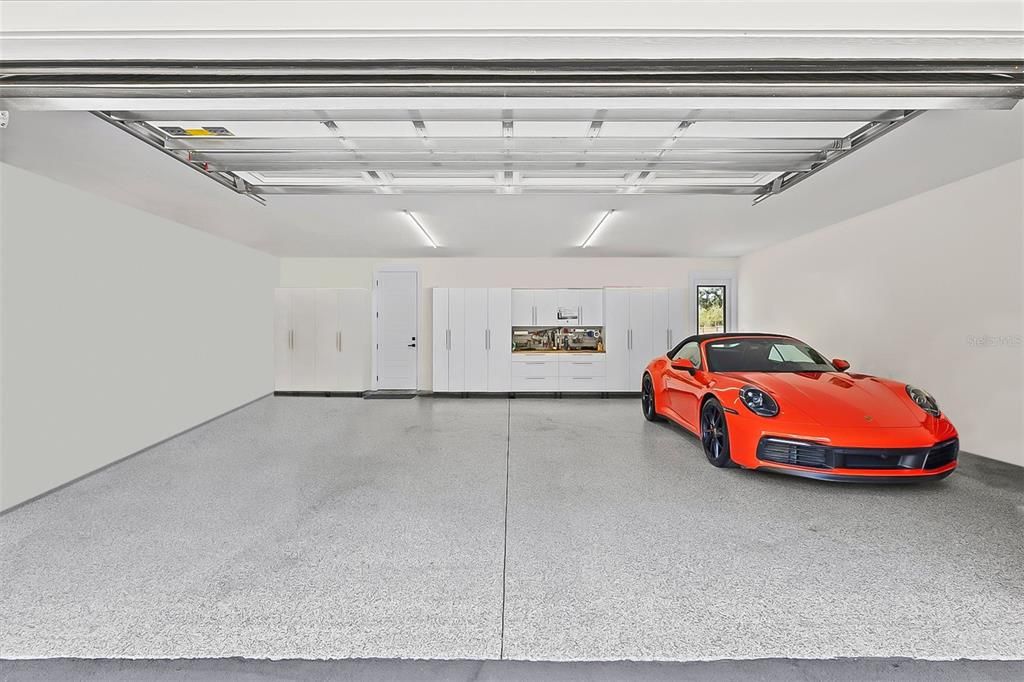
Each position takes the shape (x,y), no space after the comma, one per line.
(879,464)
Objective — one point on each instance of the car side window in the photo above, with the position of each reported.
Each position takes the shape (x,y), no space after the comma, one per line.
(689,351)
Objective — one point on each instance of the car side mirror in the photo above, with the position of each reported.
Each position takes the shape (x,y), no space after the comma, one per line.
(841,365)
(683,365)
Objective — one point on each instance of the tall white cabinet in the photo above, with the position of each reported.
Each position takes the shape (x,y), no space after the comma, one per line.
(321,340)
(638,325)
(472,344)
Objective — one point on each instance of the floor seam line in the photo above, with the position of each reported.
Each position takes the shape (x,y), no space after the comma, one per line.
(504,551)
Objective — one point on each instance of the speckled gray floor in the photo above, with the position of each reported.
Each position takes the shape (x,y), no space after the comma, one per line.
(624,543)
(296,527)
(330,528)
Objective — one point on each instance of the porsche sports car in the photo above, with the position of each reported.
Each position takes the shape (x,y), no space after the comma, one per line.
(771,402)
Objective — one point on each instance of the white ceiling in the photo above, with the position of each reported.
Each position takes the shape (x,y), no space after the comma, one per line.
(938,147)
(510,29)
(934,149)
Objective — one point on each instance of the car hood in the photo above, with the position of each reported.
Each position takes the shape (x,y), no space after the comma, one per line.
(836,399)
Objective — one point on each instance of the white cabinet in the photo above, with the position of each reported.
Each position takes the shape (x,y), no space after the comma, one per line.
(639,325)
(499,340)
(591,304)
(476,340)
(472,339)
(449,340)
(558,372)
(557,307)
(677,330)
(321,340)
(522,308)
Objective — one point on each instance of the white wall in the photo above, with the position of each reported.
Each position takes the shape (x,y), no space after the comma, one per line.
(927,290)
(119,328)
(500,272)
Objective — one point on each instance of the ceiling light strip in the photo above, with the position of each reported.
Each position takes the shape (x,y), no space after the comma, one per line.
(422,229)
(604,218)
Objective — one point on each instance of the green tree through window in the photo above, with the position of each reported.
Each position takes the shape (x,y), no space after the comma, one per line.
(710,309)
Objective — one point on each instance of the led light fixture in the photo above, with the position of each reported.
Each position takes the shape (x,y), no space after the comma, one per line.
(422,229)
(597,227)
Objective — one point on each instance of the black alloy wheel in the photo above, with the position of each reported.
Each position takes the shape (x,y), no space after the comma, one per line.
(647,399)
(714,434)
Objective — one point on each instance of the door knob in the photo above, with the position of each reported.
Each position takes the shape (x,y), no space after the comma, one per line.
(412,345)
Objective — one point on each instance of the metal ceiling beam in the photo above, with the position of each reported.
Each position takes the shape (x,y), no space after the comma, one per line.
(530,78)
(906,89)
(441,145)
(566,114)
(150,137)
(857,140)
(503,189)
(507,67)
(804,162)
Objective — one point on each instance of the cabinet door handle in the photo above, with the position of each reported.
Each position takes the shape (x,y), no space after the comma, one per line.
(339,341)
(629,338)
(291,339)
(668,338)
(582,363)
(448,339)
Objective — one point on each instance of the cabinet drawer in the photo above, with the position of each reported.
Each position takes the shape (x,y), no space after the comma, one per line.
(583,367)
(587,383)
(535,368)
(535,383)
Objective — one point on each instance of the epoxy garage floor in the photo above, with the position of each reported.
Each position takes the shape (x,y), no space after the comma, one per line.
(528,529)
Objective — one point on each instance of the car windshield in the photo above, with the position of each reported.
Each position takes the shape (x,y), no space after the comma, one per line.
(764,355)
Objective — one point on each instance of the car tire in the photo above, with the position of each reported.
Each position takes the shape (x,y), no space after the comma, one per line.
(714,434)
(647,404)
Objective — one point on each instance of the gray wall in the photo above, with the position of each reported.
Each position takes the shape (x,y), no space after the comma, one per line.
(119,329)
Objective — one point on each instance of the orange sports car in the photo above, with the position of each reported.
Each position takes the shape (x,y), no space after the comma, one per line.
(771,402)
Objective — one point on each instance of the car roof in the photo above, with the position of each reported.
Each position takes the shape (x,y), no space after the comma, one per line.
(700,338)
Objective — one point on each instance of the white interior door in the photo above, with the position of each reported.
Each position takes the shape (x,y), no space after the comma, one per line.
(440,340)
(303,333)
(396,296)
(499,340)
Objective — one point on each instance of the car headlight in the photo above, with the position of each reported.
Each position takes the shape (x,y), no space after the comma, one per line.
(759,402)
(924,400)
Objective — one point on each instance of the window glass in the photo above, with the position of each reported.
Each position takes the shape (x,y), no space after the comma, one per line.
(689,351)
(711,309)
(764,355)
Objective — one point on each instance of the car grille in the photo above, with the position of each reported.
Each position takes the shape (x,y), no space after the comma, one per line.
(820,456)
(942,454)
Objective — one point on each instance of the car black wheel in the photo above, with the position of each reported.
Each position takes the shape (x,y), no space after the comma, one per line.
(647,399)
(714,434)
